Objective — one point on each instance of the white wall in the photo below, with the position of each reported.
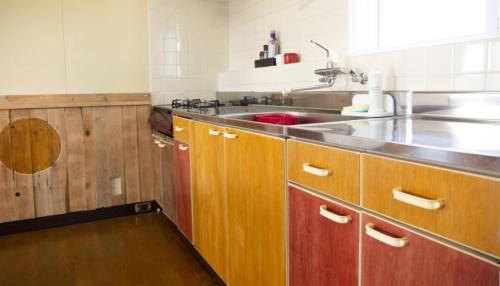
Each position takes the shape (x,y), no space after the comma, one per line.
(73,46)
(189,47)
(465,66)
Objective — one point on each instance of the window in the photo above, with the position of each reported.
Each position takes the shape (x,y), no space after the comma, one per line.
(390,24)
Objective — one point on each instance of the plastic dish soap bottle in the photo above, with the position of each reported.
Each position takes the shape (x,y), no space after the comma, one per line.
(274,46)
(375,91)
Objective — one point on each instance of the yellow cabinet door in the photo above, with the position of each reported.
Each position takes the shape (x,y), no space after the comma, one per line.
(255,180)
(459,206)
(209,196)
(181,128)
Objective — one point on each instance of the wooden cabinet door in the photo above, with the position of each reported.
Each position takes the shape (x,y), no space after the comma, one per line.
(209,197)
(183,188)
(323,241)
(420,261)
(168,185)
(329,170)
(255,178)
(462,207)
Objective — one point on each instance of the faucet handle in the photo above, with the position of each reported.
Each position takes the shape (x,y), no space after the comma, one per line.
(332,56)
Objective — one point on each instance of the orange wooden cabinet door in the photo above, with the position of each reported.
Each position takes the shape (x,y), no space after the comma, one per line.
(394,256)
(183,189)
(255,177)
(322,241)
(209,197)
(459,206)
(181,128)
(329,170)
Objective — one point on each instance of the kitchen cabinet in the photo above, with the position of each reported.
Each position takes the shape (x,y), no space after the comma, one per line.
(183,188)
(323,241)
(461,207)
(163,157)
(329,170)
(209,195)
(181,128)
(255,178)
(395,256)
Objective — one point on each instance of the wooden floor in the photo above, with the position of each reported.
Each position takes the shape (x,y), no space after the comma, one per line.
(135,250)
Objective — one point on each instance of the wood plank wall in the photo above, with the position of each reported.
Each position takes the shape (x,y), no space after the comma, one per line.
(108,139)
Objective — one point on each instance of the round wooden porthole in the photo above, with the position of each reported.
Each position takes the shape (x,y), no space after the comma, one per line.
(29,146)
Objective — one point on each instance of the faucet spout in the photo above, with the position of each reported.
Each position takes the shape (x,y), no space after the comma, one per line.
(328,84)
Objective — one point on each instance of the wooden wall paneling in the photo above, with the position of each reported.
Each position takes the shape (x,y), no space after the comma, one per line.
(7,187)
(101,157)
(145,153)
(131,152)
(76,160)
(157,173)
(114,144)
(90,173)
(40,159)
(59,170)
(73,100)
(22,161)
(167,168)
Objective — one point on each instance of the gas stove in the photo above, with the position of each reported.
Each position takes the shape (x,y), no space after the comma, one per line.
(194,104)
(161,115)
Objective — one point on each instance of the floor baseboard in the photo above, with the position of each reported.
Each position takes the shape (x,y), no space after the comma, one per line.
(77,217)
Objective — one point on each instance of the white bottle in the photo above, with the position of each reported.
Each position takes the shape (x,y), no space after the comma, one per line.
(375,91)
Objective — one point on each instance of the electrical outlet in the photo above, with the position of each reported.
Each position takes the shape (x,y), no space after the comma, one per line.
(143,207)
(116,186)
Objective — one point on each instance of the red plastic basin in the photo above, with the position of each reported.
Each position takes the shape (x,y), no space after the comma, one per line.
(276,118)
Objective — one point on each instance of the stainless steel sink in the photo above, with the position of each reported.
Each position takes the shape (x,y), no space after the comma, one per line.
(249,120)
(302,117)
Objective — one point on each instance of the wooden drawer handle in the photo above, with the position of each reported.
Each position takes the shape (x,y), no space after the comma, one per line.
(213,132)
(183,147)
(230,135)
(161,145)
(382,237)
(178,129)
(417,201)
(306,167)
(323,210)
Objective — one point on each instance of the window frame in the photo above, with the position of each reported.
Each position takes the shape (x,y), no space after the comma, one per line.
(492,33)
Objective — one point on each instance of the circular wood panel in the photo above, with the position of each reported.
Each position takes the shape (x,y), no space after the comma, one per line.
(29,146)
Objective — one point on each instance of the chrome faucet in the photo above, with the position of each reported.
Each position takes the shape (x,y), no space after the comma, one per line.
(329,74)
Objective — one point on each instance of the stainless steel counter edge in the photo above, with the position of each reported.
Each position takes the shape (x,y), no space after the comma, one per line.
(439,157)
(460,161)
(267,129)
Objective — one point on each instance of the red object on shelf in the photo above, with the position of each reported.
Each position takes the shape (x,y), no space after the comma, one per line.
(291,58)
(276,118)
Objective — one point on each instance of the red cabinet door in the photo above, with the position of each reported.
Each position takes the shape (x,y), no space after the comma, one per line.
(183,189)
(421,261)
(323,241)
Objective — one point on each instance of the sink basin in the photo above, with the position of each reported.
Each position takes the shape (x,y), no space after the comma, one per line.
(301,117)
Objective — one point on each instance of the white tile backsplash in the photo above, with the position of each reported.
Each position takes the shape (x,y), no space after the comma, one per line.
(493,81)
(188,47)
(494,56)
(464,66)
(469,82)
(470,58)
(439,60)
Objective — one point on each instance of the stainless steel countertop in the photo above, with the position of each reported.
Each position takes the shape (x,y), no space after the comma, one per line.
(218,116)
(468,146)
(462,145)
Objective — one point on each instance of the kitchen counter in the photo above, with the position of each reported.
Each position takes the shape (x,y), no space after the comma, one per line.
(222,116)
(468,146)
